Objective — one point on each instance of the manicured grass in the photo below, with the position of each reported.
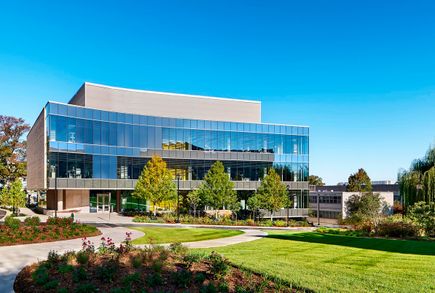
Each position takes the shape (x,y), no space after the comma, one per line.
(337,263)
(170,235)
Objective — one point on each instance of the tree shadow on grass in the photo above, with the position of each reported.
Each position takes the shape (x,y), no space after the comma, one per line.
(389,245)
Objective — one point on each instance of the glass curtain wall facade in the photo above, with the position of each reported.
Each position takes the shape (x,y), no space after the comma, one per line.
(90,143)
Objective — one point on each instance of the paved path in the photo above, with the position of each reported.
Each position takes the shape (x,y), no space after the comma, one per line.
(14,258)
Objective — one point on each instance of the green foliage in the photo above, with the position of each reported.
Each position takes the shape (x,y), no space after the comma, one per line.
(32,221)
(219,266)
(155,183)
(107,271)
(418,183)
(178,248)
(82,257)
(14,196)
(423,215)
(272,194)
(40,275)
(12,222)
(195,198)
(53,284)
(367,207)
(12,149)
(182,278)
(130,279)
(359,182)
(217,190)
(86,288)
(315,180)
(79,275)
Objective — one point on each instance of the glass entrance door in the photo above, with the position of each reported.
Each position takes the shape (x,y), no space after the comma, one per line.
(103,202)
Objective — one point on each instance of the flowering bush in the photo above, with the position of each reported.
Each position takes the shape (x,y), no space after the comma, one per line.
(106,246)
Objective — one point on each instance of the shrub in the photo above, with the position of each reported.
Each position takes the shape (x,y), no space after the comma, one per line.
(60,222)
(53,257)
(423,215)
(82,257)
(132,278)
(32,221)
(40,275)
(154,279)
(250,222)
(51,285)
(280,223)
(79,275)
(390,228)
(218,265)
(267,223)
(85,288)
(182,278)
(178,248)
(12,222)
(106,272)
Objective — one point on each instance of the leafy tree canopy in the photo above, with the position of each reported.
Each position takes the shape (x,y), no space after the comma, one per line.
(365,207)
(13,195)
(418,183)
(217,190)
(12,148)
(194,198)
(155,183)
(272,193)
(359,182)
(315,180)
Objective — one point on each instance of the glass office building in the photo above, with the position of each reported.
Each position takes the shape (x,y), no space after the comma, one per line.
(90,153)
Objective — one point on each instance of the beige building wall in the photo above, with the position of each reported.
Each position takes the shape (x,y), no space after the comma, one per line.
(167,104)
(36,155)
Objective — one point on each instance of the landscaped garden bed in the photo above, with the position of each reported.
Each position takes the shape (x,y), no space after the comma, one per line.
(13,232)
(225,221)
(128,269)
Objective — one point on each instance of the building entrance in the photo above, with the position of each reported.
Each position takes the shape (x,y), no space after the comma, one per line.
(103,202)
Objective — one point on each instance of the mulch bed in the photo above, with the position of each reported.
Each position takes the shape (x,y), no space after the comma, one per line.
(44,233)
(142,270)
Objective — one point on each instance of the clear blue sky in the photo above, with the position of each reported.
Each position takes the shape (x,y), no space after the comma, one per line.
(360,73)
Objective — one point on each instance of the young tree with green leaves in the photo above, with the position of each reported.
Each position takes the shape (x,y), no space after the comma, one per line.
(14,196)
(359,182)
(365,207)
(254,204)
(272,193)
(12,149)
(155,183)
(217,189)
(194,198)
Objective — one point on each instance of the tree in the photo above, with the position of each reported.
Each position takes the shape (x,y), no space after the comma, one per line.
(423,215)
(418,183)
(272,193)
(155,183)
(367,207)
(14,196)
(194,198)
(254,204)
(12,148)
(359,182)
(315,180)
(217,189)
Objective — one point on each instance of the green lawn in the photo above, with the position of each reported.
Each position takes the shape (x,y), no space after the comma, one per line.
(169,235)
(336,263)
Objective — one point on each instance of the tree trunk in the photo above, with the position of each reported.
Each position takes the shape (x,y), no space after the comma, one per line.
(155,210)
(271,216)
(194,211)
